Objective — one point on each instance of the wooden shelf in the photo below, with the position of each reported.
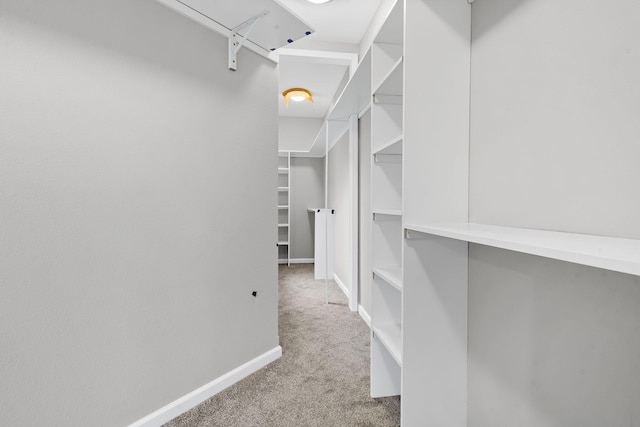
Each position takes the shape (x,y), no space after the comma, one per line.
(610,253)
(391,275)
(390,335)
(391,84)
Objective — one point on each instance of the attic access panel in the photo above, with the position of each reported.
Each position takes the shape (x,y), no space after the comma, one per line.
(276,29)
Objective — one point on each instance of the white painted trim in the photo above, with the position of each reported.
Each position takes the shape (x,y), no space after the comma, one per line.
(354,158)
(341,284)
(302,261)
(190,400)
(365,316)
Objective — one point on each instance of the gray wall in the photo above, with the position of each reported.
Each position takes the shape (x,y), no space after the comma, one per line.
(128,197)
(554,145)
(365,219)
(307,191)
(339,199)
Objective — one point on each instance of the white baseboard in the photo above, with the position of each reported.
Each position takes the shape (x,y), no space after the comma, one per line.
(365,316)
(297,261)
(188,401)
(341,284)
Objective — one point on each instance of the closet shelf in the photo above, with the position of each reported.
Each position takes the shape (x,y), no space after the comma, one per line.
(610,253)
(283,225)
(392,212)
(391,275)
(283,170)
(390,335)
(283,188)
(391,83)
(356,94)
(276,28)
(283,206)
(393,146)
(283,243)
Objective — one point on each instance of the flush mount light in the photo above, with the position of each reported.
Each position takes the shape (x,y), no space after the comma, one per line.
(318,1)
(296,94)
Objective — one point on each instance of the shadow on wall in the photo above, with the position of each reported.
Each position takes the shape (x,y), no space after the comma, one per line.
(499,10)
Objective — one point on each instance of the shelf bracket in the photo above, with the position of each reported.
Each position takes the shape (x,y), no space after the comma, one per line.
(387,99)
(236,40)
(414,235)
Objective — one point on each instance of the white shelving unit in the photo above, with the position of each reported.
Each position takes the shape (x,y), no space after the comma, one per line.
(386,203)
(284,207)
(610,253)
(436,63)
(276,25)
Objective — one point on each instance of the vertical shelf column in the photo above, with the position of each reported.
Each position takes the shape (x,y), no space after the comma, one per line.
(386,205)
(436,168)
(284,208)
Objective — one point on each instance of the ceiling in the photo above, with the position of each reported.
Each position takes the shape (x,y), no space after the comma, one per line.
(339,26)
(321,79)
(338,21)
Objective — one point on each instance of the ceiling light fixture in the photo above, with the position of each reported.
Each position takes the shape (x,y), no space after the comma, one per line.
(318,1)
(296,94)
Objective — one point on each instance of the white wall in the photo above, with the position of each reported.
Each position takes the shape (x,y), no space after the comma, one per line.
(554,145)
(551,343)
(339,194)
(297,133)
(129,192)
(307,191)
(557,113)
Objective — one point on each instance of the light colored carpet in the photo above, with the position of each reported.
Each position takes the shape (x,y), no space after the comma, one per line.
(322,378)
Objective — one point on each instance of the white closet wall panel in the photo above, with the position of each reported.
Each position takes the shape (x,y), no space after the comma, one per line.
(551,343)
(436,133)
(555,102)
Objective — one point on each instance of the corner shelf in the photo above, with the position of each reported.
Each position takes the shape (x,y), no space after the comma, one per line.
(609,253)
